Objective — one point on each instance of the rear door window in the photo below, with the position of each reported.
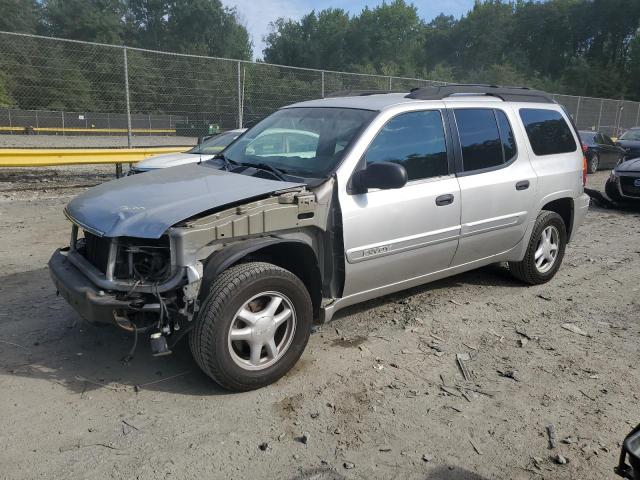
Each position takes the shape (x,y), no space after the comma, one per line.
(548,131)
(486,138)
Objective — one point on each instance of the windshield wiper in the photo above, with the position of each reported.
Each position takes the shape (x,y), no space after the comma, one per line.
(278,172)
(226,162)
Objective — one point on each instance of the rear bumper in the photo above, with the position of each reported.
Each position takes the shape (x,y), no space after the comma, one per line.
(580,209)
(93,304)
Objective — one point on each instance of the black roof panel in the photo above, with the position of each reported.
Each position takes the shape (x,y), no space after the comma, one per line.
(508,94)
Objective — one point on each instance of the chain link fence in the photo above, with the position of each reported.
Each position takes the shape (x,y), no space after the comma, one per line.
(71,88)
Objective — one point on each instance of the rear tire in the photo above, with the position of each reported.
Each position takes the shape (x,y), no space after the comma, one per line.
(593,163)
(545,250)
(252,327)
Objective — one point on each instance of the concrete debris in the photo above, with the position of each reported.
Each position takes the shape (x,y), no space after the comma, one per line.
(551,434)
(461,359)
(572,327)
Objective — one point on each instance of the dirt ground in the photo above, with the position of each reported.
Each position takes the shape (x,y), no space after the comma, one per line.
(378,393)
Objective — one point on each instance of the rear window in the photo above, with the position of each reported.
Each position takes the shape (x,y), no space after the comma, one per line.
(486,138)
(548,131)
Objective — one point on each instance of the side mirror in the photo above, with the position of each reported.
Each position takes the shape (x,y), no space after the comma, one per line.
(382,175)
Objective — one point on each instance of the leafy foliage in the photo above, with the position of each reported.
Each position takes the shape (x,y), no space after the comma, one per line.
(579,47)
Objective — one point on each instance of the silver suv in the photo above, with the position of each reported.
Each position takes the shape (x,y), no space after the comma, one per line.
(322,205)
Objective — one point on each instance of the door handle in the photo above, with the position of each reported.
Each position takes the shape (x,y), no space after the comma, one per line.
(444,200)
(523,185)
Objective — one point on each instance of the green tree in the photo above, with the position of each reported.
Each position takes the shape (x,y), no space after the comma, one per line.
(5,98)
(21,16)
(145,23)
(206,27)
(90,20)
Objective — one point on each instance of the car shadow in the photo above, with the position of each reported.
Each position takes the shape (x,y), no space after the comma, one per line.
(495,275)
(446,472)
(44,338)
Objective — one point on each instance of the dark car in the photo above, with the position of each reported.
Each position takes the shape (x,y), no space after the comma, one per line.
(624,182)
(630,141)
(600,150)
(630,451)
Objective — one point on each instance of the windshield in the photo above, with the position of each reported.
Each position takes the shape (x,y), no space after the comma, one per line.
(587,137)
(215,144)
(305,142)
(631,135)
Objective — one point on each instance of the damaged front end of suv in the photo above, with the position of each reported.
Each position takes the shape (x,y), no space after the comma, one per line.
(134,270)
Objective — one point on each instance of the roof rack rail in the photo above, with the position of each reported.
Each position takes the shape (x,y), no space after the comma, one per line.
(361,93)
(508,94)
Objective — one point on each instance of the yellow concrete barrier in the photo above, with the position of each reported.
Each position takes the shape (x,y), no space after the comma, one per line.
(32,157)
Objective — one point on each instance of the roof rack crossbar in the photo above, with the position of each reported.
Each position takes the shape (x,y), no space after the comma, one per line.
(513,94)
(361,93)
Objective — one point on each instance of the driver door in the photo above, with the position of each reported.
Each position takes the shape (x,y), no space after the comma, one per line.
(394,237)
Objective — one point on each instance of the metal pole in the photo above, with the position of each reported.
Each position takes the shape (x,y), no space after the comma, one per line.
(322,88)
(390,83)
(62,116)
(619,108)
(637,116)
(149,115)
(600,114)
(128,101)
(577,111)
(239,98)
(11,124)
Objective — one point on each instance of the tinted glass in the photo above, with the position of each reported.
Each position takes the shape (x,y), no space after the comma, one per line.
(587,138)
(215,144)
(607,140)
(479,138)
(304,142)
(632,134)
(548,131)
(416,141)
(600,139)
(507,136)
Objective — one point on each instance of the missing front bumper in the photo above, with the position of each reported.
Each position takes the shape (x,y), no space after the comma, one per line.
(93,304)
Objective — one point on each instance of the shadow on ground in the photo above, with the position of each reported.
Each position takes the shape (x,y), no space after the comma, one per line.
(495,275)
(438,473)
(43,337)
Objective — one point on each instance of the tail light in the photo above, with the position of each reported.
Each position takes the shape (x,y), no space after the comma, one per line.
(585,148)
(584,170)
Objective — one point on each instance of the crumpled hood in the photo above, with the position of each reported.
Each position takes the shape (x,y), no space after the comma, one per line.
(170,160)
(146,205)
(629,166)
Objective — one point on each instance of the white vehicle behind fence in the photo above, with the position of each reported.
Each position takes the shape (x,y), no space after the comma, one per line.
(204,151)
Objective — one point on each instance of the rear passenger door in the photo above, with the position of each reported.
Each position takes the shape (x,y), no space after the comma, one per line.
(497,182)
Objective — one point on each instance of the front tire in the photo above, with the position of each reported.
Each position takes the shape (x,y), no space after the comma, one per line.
(545,250)
(252,327)
(594,163)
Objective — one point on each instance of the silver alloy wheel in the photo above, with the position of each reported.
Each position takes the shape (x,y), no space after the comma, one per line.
(547,249)
(595,163)
(262,331)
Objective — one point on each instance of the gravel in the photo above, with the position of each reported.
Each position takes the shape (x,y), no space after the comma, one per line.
(65,393)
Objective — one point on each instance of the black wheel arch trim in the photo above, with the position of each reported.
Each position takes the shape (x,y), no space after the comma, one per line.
(234,253)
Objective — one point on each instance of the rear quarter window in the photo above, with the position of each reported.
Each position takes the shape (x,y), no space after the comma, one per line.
(548,131)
